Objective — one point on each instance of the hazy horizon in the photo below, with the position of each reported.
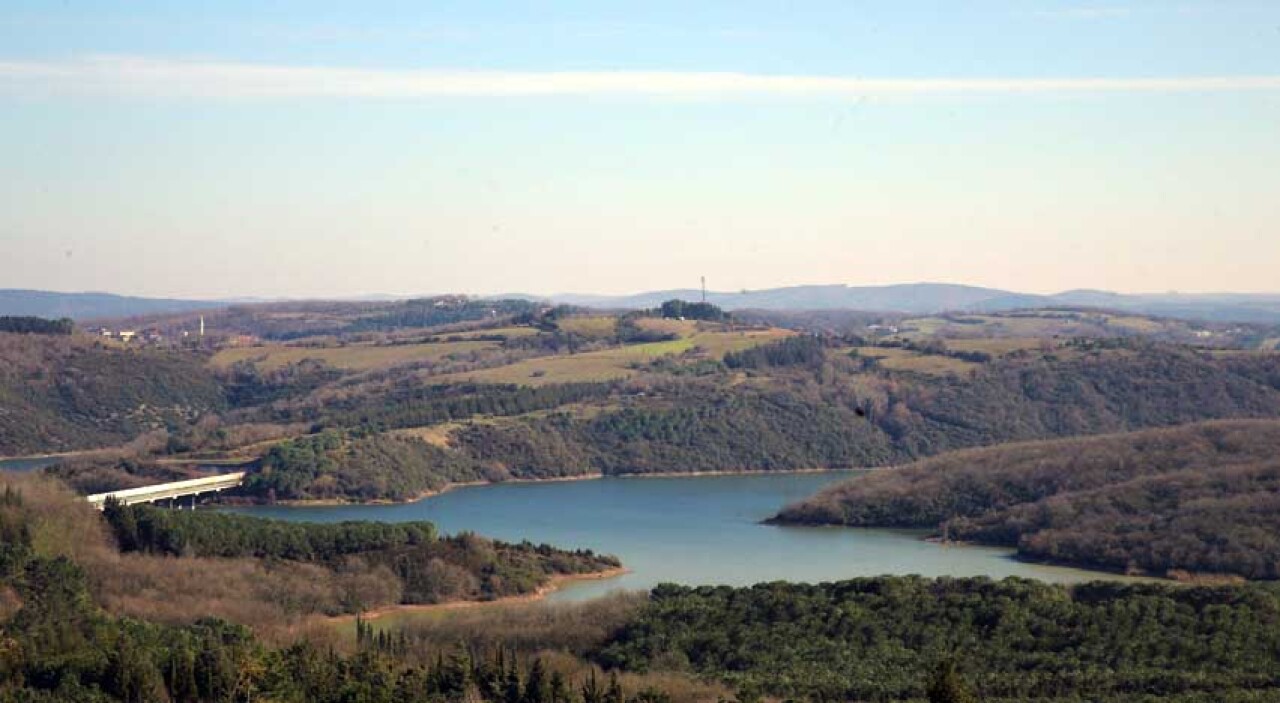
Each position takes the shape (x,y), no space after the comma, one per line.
(312,150)
(711,290)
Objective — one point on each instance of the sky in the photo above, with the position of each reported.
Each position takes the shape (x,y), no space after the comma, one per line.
(326,149)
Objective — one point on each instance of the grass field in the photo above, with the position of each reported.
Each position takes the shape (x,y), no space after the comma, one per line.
(1137,324)
(354,357)
(907,360)
(997,346)
(684,328)
(440,434)
(496,331)
(612,364)
(592,326)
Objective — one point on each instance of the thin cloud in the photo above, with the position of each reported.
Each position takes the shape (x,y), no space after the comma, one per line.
(130,76)
(1085,13)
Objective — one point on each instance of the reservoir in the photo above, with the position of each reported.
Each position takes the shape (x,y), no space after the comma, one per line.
(692,530)
(27,463)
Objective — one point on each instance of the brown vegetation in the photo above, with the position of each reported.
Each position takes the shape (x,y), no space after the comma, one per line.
(1198,498)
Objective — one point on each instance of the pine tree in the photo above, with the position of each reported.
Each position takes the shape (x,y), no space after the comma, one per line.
(559,689)
(591,691)
(537,688)
(614,694)
(513,692)
(948,686)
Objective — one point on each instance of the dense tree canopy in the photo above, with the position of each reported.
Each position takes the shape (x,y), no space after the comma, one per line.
(1199,498)
(1014,640)
(36,325)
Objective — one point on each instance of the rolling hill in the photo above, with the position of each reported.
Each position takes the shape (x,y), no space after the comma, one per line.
(88,306)
(927,298)
(1200,497)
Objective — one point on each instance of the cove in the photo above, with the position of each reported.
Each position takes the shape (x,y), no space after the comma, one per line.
(699,530)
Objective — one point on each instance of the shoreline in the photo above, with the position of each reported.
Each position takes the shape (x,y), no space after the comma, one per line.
(554,583)
(336,502)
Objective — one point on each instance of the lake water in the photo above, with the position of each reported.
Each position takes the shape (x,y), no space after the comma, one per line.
(27,464)
(693,530)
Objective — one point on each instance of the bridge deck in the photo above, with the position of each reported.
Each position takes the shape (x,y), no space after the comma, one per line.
(166,491)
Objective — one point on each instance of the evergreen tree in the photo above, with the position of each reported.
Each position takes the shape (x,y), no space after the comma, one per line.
(614,694)
(591,690)
(948,686)
(537,686)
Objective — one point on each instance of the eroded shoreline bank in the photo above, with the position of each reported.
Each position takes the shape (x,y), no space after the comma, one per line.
(553,584)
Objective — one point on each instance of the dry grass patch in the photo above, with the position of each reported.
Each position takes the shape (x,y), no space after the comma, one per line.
(997,346)
(353,357)
(594,326)
(494,332)
(683,328)
(613,364)
(895,359)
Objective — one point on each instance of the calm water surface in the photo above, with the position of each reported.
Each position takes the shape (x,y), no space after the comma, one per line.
(694,530)
(27,464)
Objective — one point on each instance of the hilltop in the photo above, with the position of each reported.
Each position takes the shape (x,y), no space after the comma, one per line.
(1196,498)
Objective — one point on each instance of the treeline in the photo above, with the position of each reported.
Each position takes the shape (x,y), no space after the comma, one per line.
(36,325)
(802,350)
(433,312)
(1198,498)
(683,309)
(1011,640)
(142,528)
(422,567)
(411,404)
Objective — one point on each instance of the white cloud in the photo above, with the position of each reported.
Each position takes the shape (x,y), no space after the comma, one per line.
(115,75)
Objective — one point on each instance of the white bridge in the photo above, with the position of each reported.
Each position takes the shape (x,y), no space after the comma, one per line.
(170,491)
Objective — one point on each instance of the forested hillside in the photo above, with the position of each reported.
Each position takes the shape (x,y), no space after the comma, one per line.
(62,392)
(1200,498)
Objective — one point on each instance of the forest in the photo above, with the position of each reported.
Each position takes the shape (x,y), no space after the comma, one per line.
(407,558)
(1197,498)
(60,644)
(61,392)
(36,325)
(1012,640)
(68,637)
(335,465)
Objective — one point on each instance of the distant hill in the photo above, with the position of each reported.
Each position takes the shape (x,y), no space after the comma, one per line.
(87,306)
(907,299)
(928,298)
(913,298)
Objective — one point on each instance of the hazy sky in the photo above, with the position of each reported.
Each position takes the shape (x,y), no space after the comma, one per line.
(320,148)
